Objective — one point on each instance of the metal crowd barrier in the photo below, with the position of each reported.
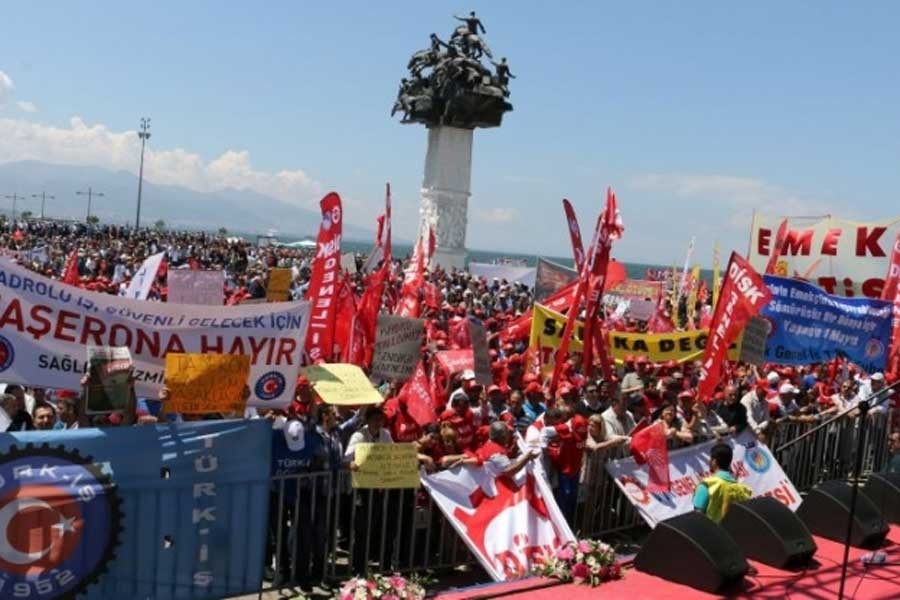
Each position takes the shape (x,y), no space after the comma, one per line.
(320,529)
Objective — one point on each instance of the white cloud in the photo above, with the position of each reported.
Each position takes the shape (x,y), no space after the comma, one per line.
(26,106)
(740,195)
(97,145)
(6,87)
(497,215)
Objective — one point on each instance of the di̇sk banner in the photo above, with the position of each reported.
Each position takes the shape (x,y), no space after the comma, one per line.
(85,513)
(845,258)
(45,326)
(511,273)
(807,325)
(753,465)
(506,521)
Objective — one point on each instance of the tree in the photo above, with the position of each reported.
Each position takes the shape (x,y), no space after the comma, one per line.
(160,224)
(222,231)
(93,220)
(26,215)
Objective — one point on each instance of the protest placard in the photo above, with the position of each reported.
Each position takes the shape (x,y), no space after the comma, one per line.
(206,383)
(753,342)
(279,288)
(342,384)
(109,369)
(386,466)
(551,278)
(480,354)
(348,262)
(189,286)
(398,346)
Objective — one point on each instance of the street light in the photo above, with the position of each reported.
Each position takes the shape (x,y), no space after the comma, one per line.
(90,193)
(43,196)
(144,134)
(14,197)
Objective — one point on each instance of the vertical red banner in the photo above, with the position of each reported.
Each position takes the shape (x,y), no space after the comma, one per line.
(324,283)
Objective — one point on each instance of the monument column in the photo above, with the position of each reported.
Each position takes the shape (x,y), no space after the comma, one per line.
(445,192)
(451,91)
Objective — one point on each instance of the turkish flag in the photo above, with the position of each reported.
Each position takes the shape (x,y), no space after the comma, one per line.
(418,397)
(70,274)
(648,447)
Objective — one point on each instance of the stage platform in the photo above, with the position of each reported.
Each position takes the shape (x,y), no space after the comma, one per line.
(820,581)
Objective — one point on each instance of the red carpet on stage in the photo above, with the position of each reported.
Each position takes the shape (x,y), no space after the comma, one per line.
(819,582)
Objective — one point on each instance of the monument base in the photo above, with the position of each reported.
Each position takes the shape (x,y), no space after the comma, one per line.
(448,259)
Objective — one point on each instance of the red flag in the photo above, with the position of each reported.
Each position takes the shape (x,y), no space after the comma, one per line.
(891,293)
(323,282)
(433,296)
(70,275)
(575,234)
(413,281)
(648,446)
(460,338)
(419,401)
(776,249)
(610,229)
(346,316)
(520,327)
(615,274)
(743,295)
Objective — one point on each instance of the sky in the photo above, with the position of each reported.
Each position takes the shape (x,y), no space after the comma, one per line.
(696,113)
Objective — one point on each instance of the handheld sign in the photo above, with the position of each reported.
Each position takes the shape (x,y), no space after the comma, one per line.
(342,384)
(398,347)
(206,383)
(386,466)
(109,369)
(279,288)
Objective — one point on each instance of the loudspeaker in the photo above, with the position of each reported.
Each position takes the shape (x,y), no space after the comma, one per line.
(692,550)
(883,489)
(825,511)
(769,532)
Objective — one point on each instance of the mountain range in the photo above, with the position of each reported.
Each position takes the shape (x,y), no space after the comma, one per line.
(240,211)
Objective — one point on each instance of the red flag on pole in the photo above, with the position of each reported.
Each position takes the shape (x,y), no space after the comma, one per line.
(413,280)
(891,293)
(323,282)
(743,295)
(648,447)
(70,275)
(575,234)
(419,402)
(776,248)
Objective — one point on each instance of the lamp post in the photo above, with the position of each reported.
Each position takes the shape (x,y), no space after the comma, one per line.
(43,196)
(90,193)
(14,197)
(144,134)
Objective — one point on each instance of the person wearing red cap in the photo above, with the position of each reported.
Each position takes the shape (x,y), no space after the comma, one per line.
(534,401)
(460,417)
(403,427)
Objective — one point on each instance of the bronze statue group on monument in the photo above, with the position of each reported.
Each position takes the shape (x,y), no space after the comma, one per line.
(449,85)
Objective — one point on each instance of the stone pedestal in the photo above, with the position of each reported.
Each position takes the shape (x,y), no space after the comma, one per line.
(445,192)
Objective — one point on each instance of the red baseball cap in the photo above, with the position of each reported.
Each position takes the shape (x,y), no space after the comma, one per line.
(534,388)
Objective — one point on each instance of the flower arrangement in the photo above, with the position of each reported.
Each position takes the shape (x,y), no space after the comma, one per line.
(585,562)
(382,587)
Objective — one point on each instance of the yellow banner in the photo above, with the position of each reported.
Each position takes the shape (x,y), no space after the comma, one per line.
(342,384)
(386,466)
(279,288)
(547,329)
(206,383)
(695,289)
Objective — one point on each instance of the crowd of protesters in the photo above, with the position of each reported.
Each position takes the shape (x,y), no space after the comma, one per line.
(586,415)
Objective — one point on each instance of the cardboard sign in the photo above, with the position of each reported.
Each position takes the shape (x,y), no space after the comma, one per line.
(342,384)
(753,345)
(109,369)
(188,286)
(348,262)
(206,383)
(480,354)
(398,347)
(279,288)
(386,466)
(551,278)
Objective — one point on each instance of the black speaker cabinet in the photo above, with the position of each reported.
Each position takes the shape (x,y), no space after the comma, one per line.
(825,511)
(769,532)
(883,489)
(692,550)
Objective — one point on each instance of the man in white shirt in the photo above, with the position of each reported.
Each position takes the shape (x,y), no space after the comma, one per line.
(757,410)
(373,432)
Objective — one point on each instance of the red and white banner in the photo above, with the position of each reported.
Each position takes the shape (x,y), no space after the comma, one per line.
(140,285)
(506,521)
(743,296)
(413,281)
(324,283)
(575,234)
(752,465)
(845,258)
(891,293)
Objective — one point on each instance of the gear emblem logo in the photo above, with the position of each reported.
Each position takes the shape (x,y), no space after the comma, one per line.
(270,386)
(59,522)
(7,354)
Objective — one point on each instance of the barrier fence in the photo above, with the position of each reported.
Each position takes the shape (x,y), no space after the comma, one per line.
(320,529)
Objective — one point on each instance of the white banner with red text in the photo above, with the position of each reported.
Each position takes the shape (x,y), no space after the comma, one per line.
(752,464)
(506,521)
(45,326)
(844,258)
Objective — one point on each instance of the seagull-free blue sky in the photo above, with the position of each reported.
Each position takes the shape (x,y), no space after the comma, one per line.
(697,113)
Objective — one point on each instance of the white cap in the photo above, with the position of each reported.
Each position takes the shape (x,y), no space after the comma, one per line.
(467,374)
(787,388)
(773,377)
(877,376)
(294,435)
